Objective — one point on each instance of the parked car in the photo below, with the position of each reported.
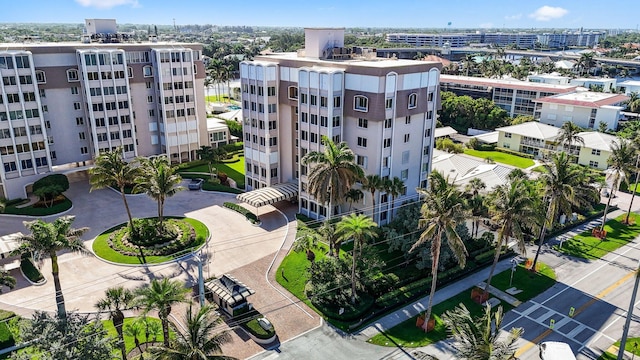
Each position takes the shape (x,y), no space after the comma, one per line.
(555,350)
(196,184)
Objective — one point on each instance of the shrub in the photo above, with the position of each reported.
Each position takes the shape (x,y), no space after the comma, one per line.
(50,186)
(485,257)
(404,293)
(516,153)
(6,338)
(237,208)
(252,326)
(473,143)
(148,232)
(30,271)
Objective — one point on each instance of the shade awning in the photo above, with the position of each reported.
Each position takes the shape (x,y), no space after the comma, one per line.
(230,289)
(269,195)
(8,243)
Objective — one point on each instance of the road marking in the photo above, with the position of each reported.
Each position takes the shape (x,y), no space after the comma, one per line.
(532,343)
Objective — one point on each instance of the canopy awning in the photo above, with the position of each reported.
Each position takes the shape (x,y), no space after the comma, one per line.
(269,195)
(8,243)
(230,289)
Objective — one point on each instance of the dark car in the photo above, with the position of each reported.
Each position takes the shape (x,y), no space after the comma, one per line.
(196,184)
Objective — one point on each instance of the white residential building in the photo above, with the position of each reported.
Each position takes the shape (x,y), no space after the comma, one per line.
(63,103)
(383,108)
(586,109)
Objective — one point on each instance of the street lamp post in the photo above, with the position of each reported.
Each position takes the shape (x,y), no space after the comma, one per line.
(633,194)
(627,323)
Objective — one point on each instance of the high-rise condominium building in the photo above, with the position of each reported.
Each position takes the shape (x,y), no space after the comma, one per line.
(383,108)
(63,103)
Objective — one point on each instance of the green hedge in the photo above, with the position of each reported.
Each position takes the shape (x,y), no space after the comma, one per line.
(485,256)
(30,271)
(57,208)
(404,293)
(349,314)
(6,338)
(248,214)
(516,153)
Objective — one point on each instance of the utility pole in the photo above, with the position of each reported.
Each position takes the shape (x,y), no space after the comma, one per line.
(198,259)
(627,323)
(635,187)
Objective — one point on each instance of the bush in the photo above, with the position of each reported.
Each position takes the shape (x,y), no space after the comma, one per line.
(473,143)
(485,257)
(237,208)
(6,338)
(50,186)
(148,232)
(252,326)
(404,293)
(234,147)
(30,271)
(350,312)
(516,153)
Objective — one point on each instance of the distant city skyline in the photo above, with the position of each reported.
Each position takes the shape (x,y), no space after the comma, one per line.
(481,14)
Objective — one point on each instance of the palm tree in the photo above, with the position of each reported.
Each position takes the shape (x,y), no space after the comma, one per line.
(479,338)
(475,202)
(159,181)
(200,339)
(115,300)
(6,280)
(621,163)
(306,242)
(47,239)
(111,169)
(586,62)
(373,183)
(360,228)
(563,185)
(134,329)
(354,195)
(513,208)
(568,135)
(206,153)
(160,295)
(395,188)
(441,212)
(328,232)
(333,173)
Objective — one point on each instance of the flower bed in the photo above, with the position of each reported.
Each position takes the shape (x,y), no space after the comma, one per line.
(184,237)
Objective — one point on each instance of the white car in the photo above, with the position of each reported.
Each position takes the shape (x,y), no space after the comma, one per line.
(555,350)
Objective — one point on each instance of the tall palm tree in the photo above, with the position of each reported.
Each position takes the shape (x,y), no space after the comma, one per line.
(111,169)
(563,185)
(396,188)
(160,295)
(6,280)
(568,135)
(373,183)
(476,202)
(159,181)
(114,301)
(441,212)
(353,195)
(46,240)
(621,164)
(360,228)
(333,173)
(200,339)
(512,207)
(586,62)
(479,338)
(207,154)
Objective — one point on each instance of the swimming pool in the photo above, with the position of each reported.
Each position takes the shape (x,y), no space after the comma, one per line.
(233,107)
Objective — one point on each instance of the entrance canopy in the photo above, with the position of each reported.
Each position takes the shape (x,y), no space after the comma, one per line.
(8,243)
(230,290)
(269,195)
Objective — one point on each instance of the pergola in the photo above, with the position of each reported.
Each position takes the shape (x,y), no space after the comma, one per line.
(269,195)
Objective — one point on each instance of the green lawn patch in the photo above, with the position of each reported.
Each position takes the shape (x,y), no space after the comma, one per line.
(292,273)
(501,157)
(589,247)
(102,249)
(234,168)
(35,210)
(408,335)
(129,342)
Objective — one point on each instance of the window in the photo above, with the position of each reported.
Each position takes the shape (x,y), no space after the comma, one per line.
(314,137)
(407,120)
(553,106)
(323,101)
(82,135)
(337,101)
(336,121)
(76,106)
(507,135)
(74,90)
(13,98)
(323,121)
(271,91)
(293,93)
(388,123)
(6,62)
(84,150)
(11,165)
(72,75)
(387,143)
(273,141)
(129,72)
(272,108)
(404,174)
(595,152)
(362,161)
(260,91)
(388,104)
(42,93)
(362,141)
(9,80)
(406,137)
(363,123)
(314,119)
(25,79)
(430,96)
(22,62)
(413,101)
(26,164)
(314,99)
(304,117)
(425,150)
(506,145)
(304,135)
(303,98)
(593,164)
(274,172)
(360,103)
(405,157)
(568,108)
(147,71)
(385,161)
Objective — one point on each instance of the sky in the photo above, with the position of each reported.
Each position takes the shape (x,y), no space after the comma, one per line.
(488,14)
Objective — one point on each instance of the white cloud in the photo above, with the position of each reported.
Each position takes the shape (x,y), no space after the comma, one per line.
(547,13)
(513,17)
(107,4)
(486,25)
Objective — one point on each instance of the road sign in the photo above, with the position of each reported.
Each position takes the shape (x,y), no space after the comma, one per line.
(552,323)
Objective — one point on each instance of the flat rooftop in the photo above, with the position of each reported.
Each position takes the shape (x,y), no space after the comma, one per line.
(584,98)
(358,61)
(79,44)
(505,83)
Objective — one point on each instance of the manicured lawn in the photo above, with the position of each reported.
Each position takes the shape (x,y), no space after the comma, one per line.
(234,170)
(292,272)
(632,346)
(408,335)
(632,187)
(102,249)
(589,247)
(40,211)
(501,157)
(129,342)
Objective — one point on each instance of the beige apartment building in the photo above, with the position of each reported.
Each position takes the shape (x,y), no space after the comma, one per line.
(63,103)
(383,108)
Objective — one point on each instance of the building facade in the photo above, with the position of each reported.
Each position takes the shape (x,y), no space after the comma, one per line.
(63,103)
(565,39)
(384,110)
(586,109)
